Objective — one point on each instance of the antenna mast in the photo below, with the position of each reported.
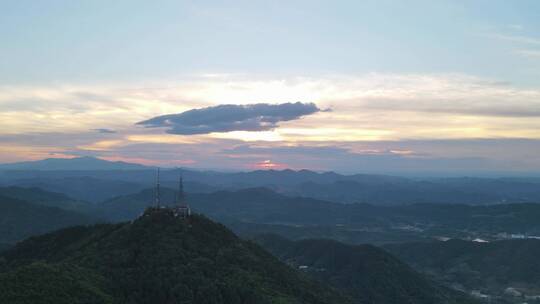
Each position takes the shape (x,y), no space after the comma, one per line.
(158,194)
(180,197)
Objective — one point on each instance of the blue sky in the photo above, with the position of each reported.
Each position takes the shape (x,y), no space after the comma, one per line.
(401,79)
(47,41)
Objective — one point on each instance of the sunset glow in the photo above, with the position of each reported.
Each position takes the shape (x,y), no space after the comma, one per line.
(268,164)
(352,93)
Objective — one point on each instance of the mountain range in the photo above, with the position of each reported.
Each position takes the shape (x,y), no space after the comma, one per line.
(106,180)
(504,271)
(76,164)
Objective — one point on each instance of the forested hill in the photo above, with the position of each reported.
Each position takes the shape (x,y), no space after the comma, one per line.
(366,273)
(158,258)
(491,267)
(46,198)
(20,219)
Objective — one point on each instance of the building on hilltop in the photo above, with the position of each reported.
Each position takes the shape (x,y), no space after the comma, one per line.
(179,208)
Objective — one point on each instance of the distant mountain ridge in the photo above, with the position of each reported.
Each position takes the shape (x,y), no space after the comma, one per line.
(41,197)
(96,190)
(76,164)
(83,188)
(107,179)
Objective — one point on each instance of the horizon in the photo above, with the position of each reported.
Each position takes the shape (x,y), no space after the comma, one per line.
(419,174)
(378,87)
(232,152)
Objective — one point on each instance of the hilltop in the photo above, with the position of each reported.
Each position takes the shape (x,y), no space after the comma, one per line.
(157,258)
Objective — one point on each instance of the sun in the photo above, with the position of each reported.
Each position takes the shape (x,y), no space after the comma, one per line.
(268,164)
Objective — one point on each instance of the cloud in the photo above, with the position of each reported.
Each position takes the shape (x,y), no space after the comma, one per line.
(451,95)
(365,107)
(104,131)
(516,27)
(379,122)
(529,53)
(492,107)
(462,156)
(517,39)
(230,117)
(436,156)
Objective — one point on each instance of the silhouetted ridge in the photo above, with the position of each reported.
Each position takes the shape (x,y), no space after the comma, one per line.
(77,164)
(39,196)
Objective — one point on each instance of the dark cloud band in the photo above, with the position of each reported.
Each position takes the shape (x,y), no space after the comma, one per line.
(227,118)
(104,131)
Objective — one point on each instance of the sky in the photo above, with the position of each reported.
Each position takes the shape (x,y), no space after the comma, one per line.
(402,87)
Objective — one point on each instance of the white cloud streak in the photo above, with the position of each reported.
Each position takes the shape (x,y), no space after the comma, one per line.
(385,108)
(529,53)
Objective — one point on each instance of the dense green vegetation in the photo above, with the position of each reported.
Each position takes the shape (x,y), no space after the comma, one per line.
(52,284)
(156,259)
(20,219)
(366,273)
(489,267)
